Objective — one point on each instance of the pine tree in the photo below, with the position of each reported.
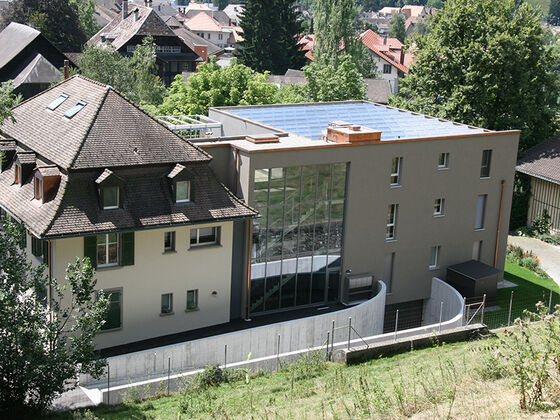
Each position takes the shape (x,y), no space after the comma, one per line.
(271,29)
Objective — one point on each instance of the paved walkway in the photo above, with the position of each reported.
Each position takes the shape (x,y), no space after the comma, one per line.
(549,255)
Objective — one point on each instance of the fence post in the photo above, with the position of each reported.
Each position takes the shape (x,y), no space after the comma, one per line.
(349,330)
(168,373)
(465,320)
(396,324)
(483,307)
(108,384)
(510,306)
(550,301)
(332,337)
(225,357)
(440,315)
(328,340)
(278,354)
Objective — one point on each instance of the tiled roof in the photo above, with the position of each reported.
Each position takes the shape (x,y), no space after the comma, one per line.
(147,202)
(148,23)
(109,131)
(542,160)
(203,22)
(190,38)
(37,69)
(14,38)
(369,39)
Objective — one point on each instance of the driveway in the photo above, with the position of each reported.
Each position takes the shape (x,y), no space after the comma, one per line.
(549,255)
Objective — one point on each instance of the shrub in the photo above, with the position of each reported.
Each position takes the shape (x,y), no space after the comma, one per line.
(541,225)
(212,375)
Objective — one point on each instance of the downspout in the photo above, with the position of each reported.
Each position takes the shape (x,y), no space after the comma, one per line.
(248,293)
(499,224)
(49,262)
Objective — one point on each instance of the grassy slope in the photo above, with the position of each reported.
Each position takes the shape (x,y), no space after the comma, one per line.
(421,384)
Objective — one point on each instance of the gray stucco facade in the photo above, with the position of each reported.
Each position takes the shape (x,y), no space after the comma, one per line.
(422,181)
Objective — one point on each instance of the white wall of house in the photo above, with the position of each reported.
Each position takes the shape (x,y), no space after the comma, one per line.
(218,38)
(392,77)
(155,272)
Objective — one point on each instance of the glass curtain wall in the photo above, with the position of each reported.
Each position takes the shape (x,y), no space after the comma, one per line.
(297,242)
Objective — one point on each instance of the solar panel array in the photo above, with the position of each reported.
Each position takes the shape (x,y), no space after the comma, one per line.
(312,120)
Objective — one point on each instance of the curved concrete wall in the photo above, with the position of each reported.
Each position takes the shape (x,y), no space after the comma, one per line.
(300,334)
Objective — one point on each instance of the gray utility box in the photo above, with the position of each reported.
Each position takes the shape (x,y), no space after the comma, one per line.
(473,279)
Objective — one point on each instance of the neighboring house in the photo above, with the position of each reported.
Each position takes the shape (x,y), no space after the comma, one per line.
(92,175)
(234,12)
(377,90)
(219,15)
(199,45)
(135,22)
(162,8)
(542,164)
(437,199)
(389,56)
(205,26)
(29,59)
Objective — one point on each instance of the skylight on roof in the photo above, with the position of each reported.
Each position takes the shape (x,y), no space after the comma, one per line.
(56,103)
(75,109)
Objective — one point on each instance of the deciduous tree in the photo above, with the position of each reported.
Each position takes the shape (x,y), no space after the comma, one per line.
(486,63)
(44,345)
(398,28)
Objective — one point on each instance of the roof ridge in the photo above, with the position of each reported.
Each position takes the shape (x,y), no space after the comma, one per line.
(84,137)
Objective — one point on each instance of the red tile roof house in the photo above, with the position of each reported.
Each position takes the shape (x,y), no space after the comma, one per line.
(542,164)
(91,174)
(387,53)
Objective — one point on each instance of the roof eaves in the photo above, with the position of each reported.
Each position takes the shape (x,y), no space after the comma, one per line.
(534,174)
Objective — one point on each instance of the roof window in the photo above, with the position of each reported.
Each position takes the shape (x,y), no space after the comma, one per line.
(57,102)
(75,109)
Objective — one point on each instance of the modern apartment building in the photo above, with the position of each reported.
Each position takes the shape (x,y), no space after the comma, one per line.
(267,209)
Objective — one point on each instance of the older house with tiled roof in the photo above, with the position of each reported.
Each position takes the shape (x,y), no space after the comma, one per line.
(91,174)
(135,22)
(542,164)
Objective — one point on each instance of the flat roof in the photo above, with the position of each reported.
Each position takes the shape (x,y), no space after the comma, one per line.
(311,120)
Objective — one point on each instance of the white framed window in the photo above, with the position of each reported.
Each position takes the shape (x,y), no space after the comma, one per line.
(167,303)
(485,164)
(439,206)
(387,68)
(168,49)
(107,250)
(220,36)
(391,232)
(480,210)
(110,198)
(182,191)
(169,241)
(396,167)
(192,300)
(443,161)
(205,236)
(434,257)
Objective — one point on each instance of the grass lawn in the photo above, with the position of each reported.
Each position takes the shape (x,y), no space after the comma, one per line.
(529,290)
(439,382)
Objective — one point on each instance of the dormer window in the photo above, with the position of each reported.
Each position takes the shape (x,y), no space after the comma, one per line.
(57,102)
(110,198)
(75,109)
(182,191)
(38,188)
(110,189)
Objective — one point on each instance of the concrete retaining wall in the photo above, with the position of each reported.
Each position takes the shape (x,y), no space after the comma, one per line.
(254,343)
(453,304)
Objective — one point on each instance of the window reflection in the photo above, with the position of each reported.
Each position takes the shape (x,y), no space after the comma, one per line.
(297,242)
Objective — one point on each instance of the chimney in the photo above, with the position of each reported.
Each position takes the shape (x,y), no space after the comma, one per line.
(136,14)
(66,69)
(124,9)
(343,132)
(385,39)
(402,56)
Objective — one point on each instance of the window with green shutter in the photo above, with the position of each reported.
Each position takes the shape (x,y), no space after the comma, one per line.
(45,246)
(127,248)
(36,246)
(110,249)
(113,318)
(90,249)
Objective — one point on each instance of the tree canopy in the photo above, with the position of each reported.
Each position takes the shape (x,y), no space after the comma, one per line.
(485,63)
(58,20)
(44,345)
(7,100)
(398,28)
(136,77)
(271,31)
(214,85)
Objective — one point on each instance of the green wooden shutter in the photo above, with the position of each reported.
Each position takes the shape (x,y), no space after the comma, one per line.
(90,249)
(127,248)
(45,252)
